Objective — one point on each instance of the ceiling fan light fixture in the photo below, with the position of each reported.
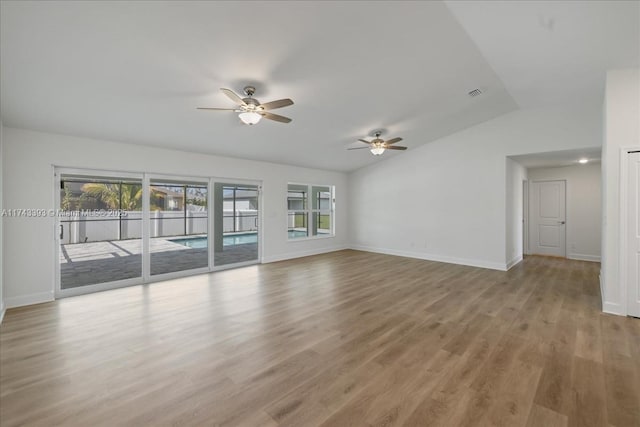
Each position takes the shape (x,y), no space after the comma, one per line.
(377,150)
(249,117)
(250,109)
(378,146)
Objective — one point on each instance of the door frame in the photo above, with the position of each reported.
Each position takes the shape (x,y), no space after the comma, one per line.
(531,205)
(525,217)
(623,248)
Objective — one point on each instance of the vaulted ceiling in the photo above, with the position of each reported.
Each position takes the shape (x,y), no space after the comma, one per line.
(136,71)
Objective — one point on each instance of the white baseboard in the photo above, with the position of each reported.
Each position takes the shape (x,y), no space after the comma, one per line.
(430,257)
(583,257)
(29,299)
(614,308)
(514,261)
(2,311)
(300,254)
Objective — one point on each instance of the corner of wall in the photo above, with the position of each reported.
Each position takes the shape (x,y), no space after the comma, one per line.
(2,304)
(621,109)
(515,175)
(515,261)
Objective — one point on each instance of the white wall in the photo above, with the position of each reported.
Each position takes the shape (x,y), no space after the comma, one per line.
(457,184)
(30,157)
(622,129)
(584,202)
(2,304)
(516,174)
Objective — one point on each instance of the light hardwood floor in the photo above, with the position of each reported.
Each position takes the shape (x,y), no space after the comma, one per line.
(347,338)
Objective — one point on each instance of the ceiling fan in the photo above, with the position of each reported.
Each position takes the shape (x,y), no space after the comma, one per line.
(250,109)
(377,145)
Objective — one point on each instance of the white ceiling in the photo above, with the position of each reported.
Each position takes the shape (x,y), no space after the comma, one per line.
(553,52)
(136,71)
(559,158)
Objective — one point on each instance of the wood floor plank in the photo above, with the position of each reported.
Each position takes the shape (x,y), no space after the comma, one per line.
(632,328)
(441,410)
(347,374)
(622,390)
(329,340)
(588,338)
(513,404)
(554,387)
(588,405)
(404,385)
(471,362)
(543,417)
(398,413)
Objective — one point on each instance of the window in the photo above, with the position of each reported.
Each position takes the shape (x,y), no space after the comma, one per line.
(310,211)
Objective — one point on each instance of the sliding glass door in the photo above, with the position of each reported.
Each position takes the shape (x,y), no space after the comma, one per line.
(121,229)
(178,226)
(100,229)
(236,229)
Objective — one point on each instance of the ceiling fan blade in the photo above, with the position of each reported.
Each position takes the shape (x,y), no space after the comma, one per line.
(276,104)
(359,148)
(277,118)
(232,95)
(216,109)
(366,142)
(395,148)
(393,141)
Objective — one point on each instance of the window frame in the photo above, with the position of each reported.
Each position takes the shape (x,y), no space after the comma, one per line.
(311,213)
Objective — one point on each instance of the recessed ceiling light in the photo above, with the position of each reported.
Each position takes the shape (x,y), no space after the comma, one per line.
(583,161)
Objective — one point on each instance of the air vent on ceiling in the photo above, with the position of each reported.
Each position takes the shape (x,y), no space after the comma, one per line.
(475,92)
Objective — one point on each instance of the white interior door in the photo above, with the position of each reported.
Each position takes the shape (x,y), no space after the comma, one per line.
(547,219)
(633,234)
